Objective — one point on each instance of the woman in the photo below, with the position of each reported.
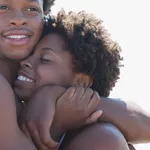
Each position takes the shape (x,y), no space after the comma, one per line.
(92,59)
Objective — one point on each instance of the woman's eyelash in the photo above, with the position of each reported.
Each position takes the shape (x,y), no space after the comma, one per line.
(43,59)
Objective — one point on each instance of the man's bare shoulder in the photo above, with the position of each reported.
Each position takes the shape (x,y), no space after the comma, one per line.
(6,91)
(5,87)
(4,83)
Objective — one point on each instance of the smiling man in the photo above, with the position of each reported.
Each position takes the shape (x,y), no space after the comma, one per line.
(20,29)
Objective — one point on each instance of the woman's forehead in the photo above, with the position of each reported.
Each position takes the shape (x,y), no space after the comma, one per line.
(53,40)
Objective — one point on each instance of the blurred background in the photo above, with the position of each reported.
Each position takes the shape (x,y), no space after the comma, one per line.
(129,24)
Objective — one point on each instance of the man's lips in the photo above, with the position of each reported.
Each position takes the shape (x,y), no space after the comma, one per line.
(17,37)
(17,32)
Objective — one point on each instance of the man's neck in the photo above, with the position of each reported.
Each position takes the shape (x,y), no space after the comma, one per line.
(9,70)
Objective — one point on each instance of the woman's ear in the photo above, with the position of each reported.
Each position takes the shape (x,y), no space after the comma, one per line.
(83,80)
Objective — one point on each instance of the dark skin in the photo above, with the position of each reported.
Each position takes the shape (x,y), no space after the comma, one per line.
(18,36)
(9,66)
(11,132)
(12,137)
(21,21)
(87,139)
(47,66)
(35,73)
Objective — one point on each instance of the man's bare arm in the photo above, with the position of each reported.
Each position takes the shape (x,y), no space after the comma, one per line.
(11,136)
(130,118)
(100,136)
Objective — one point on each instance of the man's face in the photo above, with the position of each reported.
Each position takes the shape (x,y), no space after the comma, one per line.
(21,24)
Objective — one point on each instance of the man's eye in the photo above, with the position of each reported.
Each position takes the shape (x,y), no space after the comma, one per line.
(3,7)
(33,9)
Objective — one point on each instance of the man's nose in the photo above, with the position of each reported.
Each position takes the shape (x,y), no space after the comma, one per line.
(18,19)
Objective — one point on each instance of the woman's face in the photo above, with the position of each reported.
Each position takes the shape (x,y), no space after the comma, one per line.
(50,64)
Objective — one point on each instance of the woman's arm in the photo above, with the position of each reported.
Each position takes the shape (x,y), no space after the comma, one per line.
(130,118)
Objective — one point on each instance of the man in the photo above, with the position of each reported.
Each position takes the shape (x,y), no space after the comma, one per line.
(20,28)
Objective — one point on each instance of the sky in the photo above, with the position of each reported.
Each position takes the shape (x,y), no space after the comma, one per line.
(128,22)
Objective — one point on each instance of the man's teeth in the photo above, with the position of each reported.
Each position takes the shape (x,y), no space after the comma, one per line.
(23,78)
(17,36)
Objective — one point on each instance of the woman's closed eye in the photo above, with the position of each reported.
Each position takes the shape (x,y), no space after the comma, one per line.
(45,60)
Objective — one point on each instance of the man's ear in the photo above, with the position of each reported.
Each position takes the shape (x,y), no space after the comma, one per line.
(83,80)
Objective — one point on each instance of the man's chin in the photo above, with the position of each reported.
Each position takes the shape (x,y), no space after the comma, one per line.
(17,54)
(17,57)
